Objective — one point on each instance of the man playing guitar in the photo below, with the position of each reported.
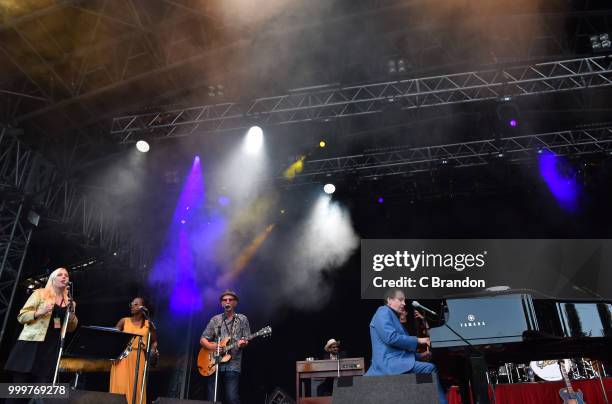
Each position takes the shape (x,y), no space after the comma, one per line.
(230,325)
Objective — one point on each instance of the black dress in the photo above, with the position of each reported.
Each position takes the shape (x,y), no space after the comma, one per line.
(38,358)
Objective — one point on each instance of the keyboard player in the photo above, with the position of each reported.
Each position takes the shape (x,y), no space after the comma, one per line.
(393,349)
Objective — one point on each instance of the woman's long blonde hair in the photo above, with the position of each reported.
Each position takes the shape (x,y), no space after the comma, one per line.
(48,292)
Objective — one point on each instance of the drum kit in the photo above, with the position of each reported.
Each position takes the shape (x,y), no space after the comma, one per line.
(545,370)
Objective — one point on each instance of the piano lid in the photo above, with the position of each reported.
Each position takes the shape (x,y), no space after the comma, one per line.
(586,320)
(500,291)
(485,320)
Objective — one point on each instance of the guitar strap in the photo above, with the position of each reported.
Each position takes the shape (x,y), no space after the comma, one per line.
(230,329)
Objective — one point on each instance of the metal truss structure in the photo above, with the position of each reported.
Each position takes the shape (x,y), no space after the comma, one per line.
(31,188)
(151,41)
(321,103)
(15,233)
(514,149)
(138,43)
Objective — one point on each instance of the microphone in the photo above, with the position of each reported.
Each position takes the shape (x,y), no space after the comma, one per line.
(69,289)
(144,309)
(418,305)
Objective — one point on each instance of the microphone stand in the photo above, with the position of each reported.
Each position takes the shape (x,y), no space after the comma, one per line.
(217,360)
(147,353)
(63,334)
(478,354)
(598,370)
(136,370)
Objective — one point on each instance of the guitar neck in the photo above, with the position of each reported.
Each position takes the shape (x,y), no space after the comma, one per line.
(235,344)
(568,385)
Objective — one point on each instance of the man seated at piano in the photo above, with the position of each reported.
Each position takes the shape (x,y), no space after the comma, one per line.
(394,352)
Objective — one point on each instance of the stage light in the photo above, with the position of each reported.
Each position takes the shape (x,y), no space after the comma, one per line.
(196,159)
(381,199)
(294,168)
(560,177)
(401,66)
(253,140)
(322,143)
(142,146)
(508,117)
(601,43)
(329,188)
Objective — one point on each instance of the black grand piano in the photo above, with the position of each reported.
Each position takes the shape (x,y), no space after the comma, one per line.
(515,326)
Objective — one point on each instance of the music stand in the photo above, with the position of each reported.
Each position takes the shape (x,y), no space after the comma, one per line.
(94,342)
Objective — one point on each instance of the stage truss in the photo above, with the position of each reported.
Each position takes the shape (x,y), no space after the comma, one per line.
(328,102)
(515,149)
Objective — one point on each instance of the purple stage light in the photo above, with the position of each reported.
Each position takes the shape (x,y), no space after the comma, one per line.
(175,267)
(513,123)
(196,159)
(224,200)
(380,199)
(563,187)
(185,297)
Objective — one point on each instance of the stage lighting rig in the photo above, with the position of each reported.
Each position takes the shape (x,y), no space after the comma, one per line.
(601,43)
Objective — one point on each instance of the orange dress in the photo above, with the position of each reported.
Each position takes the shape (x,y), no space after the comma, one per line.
(122,372)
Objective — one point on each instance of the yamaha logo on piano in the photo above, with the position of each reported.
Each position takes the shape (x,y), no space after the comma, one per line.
(472,322)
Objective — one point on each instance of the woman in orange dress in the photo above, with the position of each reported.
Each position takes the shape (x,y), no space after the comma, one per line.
(122,371)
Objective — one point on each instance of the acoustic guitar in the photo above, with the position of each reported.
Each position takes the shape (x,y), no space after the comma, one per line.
(208,359)
(567,393)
